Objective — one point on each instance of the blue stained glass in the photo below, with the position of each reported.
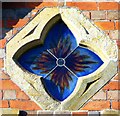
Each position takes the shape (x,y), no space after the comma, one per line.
(62,84)
(60,61)
(85,61)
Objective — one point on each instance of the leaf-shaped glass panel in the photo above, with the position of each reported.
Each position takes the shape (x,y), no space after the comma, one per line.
(60,83)
(85,61)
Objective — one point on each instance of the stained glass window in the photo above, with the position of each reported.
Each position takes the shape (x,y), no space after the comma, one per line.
(61,56)
(60,61)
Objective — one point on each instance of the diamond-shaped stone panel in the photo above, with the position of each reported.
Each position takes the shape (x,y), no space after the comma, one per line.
(86,33)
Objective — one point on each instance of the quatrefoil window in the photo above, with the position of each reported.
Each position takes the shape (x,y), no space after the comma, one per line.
(60,61)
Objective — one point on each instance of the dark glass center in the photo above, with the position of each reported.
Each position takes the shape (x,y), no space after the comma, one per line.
(60,62)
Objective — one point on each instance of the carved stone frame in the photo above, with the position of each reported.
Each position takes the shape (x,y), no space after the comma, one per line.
(95,39)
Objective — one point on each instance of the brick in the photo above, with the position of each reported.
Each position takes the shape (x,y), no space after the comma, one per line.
(118,43)
(79,113)
(108,5)
(101,95)
(60,4)
(21,23)
(2,53)
(3,75)
(98,14)
(83,5)
(96,105)
(93,113)
(1,63)
(48,113)
(4,104)
(113,85)
(11,112)
(24,105)
(117,77)
(105,25)
(116,105)
(32,4)
(110,112)
(87,14)
(114,34)
(9,94)
(1,95)
(8,85)
(49,4)
(34,12)
(113,95)
(2,43)
(60,113)
(10,23)
(31,113)
(21,95)
(113,15)
(14,31)
(117,25)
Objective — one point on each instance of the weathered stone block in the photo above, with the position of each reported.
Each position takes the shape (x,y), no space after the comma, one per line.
(100,95)
(110,112)
(98,14)
(9,94)
(9,111)
(114,95)
(2,53)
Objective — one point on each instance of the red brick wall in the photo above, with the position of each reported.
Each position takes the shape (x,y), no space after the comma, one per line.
(105,15)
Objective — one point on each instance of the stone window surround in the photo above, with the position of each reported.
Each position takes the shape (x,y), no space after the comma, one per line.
(96,40)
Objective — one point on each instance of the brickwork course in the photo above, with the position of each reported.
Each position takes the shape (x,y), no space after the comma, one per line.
(105,15)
